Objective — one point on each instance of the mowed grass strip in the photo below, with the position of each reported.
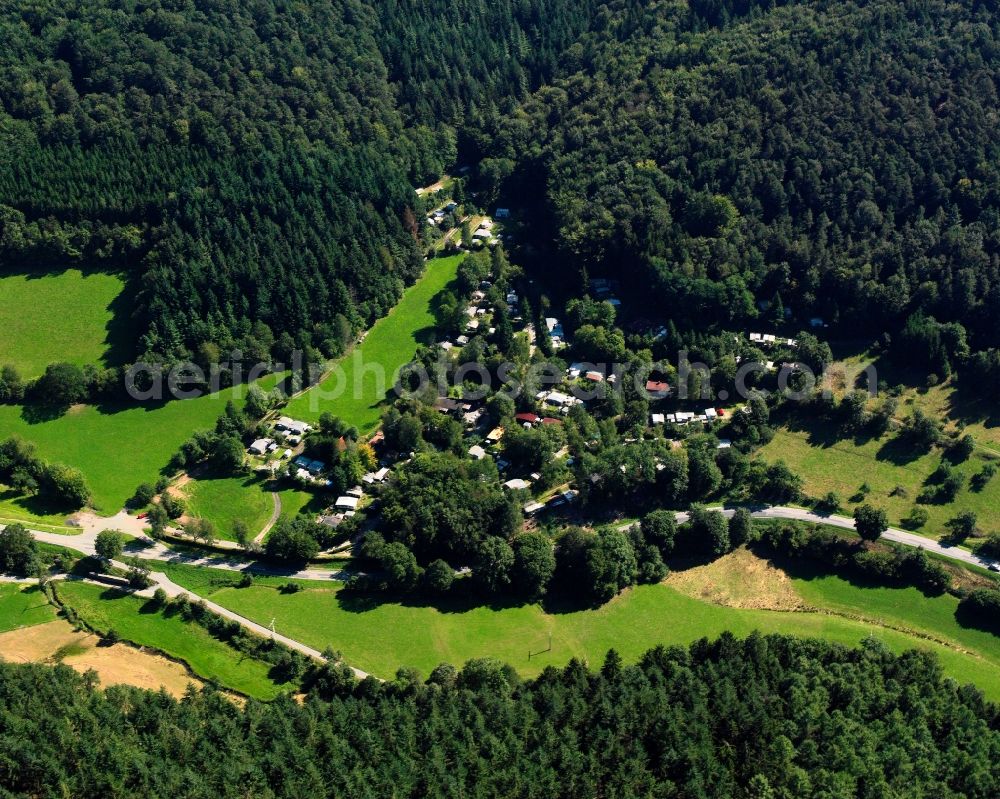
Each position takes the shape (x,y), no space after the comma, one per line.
(352,391)
(107,608)
(61,316)
(23,606)
(381,636)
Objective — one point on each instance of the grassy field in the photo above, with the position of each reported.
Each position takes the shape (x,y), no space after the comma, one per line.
(248,498)
(895,472)
(352,390)
(17,507)
(895,475)
(62,316)
(106,608)
(224,500)
(382,636)
(23,606)
(117,448)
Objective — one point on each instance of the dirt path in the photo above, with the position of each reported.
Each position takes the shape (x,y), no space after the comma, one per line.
(275,515)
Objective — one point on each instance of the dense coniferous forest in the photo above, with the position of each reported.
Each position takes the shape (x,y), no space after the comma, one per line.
(252,166)
(764,717)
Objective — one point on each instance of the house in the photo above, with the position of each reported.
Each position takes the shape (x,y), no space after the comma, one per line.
(683,417)
(286,454)
(594,377)
(477,452)
(724,443)
(494,435)
(382,474)
(532,508)
(473,325)
(570,495)
(446,346)
(461,341)
(550,420)
(357,492)
(517,484)
(711,414)
(658,389)
(331,521)
(259,447)
(527,418)
(557,398)
(346,503)
(292,426)
(473,418)
(377,440)
(446,405)
(658,418)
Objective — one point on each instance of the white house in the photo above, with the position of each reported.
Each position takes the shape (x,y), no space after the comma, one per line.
(347,503)
(259,447)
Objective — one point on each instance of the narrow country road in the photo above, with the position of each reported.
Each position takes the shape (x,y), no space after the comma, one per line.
(847,523)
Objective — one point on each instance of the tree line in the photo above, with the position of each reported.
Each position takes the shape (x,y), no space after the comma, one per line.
(748,719)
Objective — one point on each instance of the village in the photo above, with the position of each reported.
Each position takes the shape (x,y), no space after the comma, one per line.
(579,384)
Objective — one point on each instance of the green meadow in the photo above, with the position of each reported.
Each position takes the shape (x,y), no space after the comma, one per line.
(23,606)
(108,608)
(116,448)
(225,500)
(67,315)
(352,391)
(894,473)
(247,498)
(380,636)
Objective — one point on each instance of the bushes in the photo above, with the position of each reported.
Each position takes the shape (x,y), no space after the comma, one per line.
(289,664)
(18,550)
(23,470)
(881,563)
(981,608)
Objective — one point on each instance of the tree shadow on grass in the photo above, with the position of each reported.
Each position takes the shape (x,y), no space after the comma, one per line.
(457,602)
(969,620)
(39,413)
(35,504)
(120,331)
(899,451)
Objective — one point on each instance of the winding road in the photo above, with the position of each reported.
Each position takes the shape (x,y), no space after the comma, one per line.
(84,543)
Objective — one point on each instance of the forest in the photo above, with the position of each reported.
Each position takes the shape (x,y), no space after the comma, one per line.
(817,160)
(764,717)
(251,169)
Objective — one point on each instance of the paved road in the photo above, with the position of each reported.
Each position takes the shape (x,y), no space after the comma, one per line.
(171,588)
(84,543)
(892,534)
